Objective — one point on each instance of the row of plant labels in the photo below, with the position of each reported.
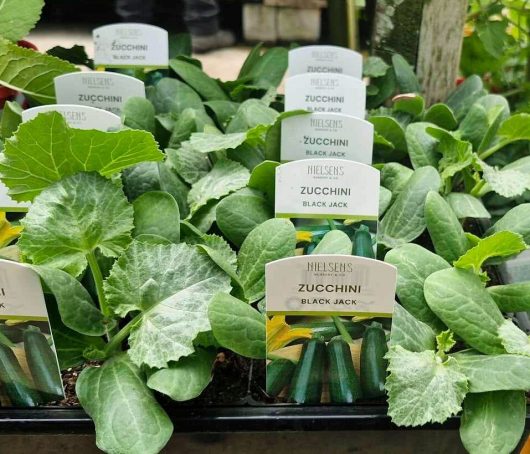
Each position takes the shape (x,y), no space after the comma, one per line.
(328,188)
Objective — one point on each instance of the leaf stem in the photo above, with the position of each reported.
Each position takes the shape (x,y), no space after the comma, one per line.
(98,280)
(331,224)
(122,334)
(475,192)
(486,154)
(342,330)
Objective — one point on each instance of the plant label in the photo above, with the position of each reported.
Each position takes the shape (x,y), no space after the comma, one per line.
(28,351)
(80,117)
(330,285)
(326,93)
(325,59)
(327,189)
(107,91)
(131,45)
(325,135)
(8,204)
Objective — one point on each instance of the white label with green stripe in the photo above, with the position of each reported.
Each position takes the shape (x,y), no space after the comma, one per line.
(80,117)
(131,45)
(330,285)
(325,59)
(327,189)
(21,296)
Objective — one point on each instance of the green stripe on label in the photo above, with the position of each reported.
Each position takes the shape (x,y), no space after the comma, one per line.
(326,216)
(24,317)
(113,66)
(332,314)
(14,209)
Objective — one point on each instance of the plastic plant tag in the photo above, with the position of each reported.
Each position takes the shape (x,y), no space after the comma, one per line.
(10,205)
(325,135)
(107,91)
(130,45)
(325,59)
(330,285)
(80,117)
(326,93)
(327,189)
(29,369)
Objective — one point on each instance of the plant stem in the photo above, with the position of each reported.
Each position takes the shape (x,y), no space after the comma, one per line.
(122,334)
(476,189)
(98,280)
(490,151)
(332,225)
(342,330)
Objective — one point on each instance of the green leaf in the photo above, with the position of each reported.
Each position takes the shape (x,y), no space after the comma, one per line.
(515,128)
(409,103)
(334,242)
(494,422)
(441,115)
(189,122)
(385,199)
(394,177)
(185,379)
(466,206)
(263,178)
(225,177)
(172,286)
(190,164)
(456,156)
(157,213)
(126,414)
(172,95)
(505,182)
(463,97)
(475,125)
(404,221)
(208,88)
(511,297)
(445,341)
(410,333)
(421,388)
(18,17)
(45,150)
(406,79)
(269,69)
(75,54)
(204,217)
(500,244)
(492,34)
(273,240)
(239,213)
(421,145)
(76,308)
(252,58)
(237,326)
(30,72)
(415,264)
(447,235)
(374,67)
(388,128)
(273,138)
(460,300)
(223,111)
(514,340)
(138,113)
(140,178)
(205,142)
(226,261)
(384,87)
(516,220)
(11,118)
(252,113)
(494,372)
(75,217)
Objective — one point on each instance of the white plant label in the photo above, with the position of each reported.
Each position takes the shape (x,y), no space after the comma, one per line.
(103,90)
(8,204)
(325,59)
(323,135)
(330,285)
(131,45)
(327,189)
(80,117)
(326,93)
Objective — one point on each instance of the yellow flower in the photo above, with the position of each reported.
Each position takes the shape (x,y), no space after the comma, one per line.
(280,334)
(303,236)
(8,233)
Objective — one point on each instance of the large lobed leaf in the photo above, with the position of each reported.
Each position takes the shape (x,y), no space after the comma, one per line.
(45,150)
(73,218)
(18,17)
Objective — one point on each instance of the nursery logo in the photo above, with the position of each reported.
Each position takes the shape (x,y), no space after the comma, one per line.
(321,123)
(325,170)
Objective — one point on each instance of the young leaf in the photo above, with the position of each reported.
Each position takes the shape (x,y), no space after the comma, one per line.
(239,213)
(466,206)
(493,423)
(511,297)
(374,67)
(157,213)
(394,177)
(460,300)
(269,69)
(173,96)
(500,244)
(185,379)
(263,179)
(189,121)
(29,71)
(76,308)
(409,103)
(516,220)
(191,165)
(441,115)
(206,142)
(208,88)
(408,332)
(11,118)
(252,113)
(515,128)
(406,79)
(456,156)
(505,182)
(421,145)
(385,199)
(223,111)
(421,388)
(73,218)
(463,97)
(404,221)
(445,342)
(273,240)
(225,177)
(415,264)
(18,17)
(138,113)
(514,340)
(494,372)
(126,414)
(388,128)
(45,150)
(237,326)
(334,242)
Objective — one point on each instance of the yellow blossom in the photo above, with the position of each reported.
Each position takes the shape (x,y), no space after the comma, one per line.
(280,334)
